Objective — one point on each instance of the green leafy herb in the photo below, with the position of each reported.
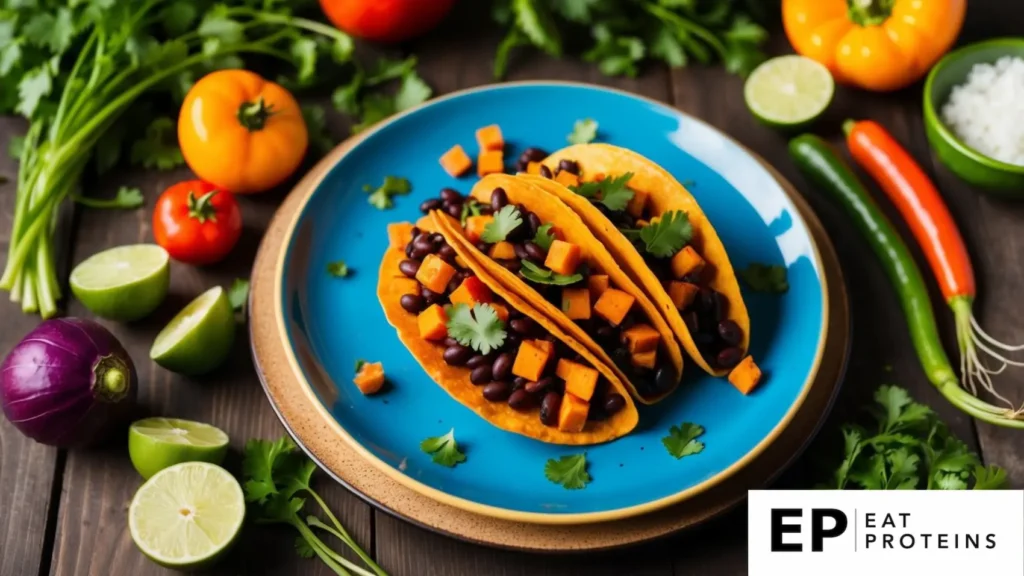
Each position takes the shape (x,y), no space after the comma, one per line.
(908,448)
(682,440)
(359,364)
(668,235)
(479,327)
(569,471)
(544,236)
(469,208)
(583,132)
(612,192)
(238,296)
(374,107)
(765,278)
(443,449)
(539,275)
(275,477)
(159,149)
(338,269)
(505,221)
(320,139)
(126,199)
(380,197)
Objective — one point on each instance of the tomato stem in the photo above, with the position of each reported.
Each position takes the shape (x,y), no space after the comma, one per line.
(253,115)
(200,208)
(870,12)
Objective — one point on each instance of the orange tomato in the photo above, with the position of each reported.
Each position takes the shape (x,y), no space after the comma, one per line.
(867,44)
(240,132)
(385,20)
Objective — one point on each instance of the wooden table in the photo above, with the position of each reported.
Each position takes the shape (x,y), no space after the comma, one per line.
(64,512)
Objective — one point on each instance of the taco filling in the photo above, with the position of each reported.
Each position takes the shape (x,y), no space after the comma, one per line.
(494,343)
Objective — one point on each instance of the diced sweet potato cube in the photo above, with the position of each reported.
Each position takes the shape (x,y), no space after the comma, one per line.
(503,251)
(455,161)
(613,305)
(433,323)
(403,286)
(370,378)
(580,380)
(563,257)
(489,138)
(567,179)
(636,206)
(645,359)
(501,310)
(475,227)
(434,273)
(597,283)
(576,303)
(572,416)
(682,293)
(546,346)
(641,338)
(686,261)
(533,168)
(531,359)
(470,292)
(425,224)
(399,234)
(490,162)
(746,375)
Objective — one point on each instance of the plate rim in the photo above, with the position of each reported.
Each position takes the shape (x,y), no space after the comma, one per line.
(495,511)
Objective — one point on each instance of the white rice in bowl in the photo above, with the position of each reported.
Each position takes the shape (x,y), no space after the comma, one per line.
(987,111)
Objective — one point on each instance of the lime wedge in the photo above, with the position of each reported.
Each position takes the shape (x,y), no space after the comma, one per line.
(789,91)
(158,443)
(124,283)
(199,338)
(187,515)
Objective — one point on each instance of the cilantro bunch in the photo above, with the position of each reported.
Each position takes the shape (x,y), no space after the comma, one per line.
(625,33)
(275,478)
(909,448)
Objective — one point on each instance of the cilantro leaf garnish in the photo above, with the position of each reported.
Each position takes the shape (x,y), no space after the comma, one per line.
(479,327)
(682,440)
(668,235)
(238,296)
(469,208)
(539,275)
(126,199)
(612,192)
(583,131)
(380,197)
(338,269)
(765,278)
(544,236)
(359,364)
(505,221)
(443,449)
(569,471)
(320,138)
(159,149)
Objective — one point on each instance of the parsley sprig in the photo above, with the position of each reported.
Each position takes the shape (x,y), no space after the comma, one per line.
(612,192)
(539,275)
(668,235)
(443,450)
(682,440)
(568,471)
(505,221)
(765,278)
(583,131)
(480,328)
(275,477)
(544,236)
(380,197)
(238,296)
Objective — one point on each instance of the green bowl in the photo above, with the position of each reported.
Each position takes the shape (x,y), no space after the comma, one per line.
(1004,179)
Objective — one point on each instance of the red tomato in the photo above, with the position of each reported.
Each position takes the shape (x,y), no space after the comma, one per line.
(196,222)
(386,20)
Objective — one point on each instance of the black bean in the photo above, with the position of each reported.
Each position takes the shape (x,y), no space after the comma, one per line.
(423,243)
(447,253)
(549,408)
(521,325)
(409,267)
(545,171)
(521,252)
(613,402)
(541,386)
(496,391)
(534,252)
(518,382)
(690,319)
(512,266)
(606,334)
(430,296)
(692,278)
(453,284)
(448,342)
(412,303)
(420,254)
(502,366)
(409,250)
(628,321)
(498,199)
(664,379)
(520,166)
(533,154)
(729,357)
(414,232)
(711,304)
(569,166)
(431,204)
(730,333)
(482,246)
(451,195)
(703,339)
(454,210)
(457,355)
(521,400)
(486,210)
(515,313)
(513,339)
(481,374)
(437,238)
(625,220)
(478,360)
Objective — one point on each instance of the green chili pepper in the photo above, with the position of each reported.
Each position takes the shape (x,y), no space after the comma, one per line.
(817,160)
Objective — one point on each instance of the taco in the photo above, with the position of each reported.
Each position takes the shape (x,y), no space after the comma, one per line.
(492,351)
(535,246)
(661,237)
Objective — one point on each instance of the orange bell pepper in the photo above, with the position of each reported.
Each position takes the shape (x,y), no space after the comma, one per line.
(868,44)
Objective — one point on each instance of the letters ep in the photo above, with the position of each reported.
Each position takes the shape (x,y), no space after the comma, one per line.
(780,527)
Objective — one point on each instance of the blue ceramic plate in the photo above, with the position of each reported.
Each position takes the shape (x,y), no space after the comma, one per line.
(331,322)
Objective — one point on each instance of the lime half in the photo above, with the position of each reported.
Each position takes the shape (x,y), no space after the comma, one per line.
(789,91)
(158,443)
(187,515)
(199,338)
(124,283)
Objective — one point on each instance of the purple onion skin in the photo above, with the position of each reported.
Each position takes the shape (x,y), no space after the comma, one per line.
(67,383)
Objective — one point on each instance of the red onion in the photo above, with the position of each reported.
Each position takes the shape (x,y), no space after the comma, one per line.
(67,382)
